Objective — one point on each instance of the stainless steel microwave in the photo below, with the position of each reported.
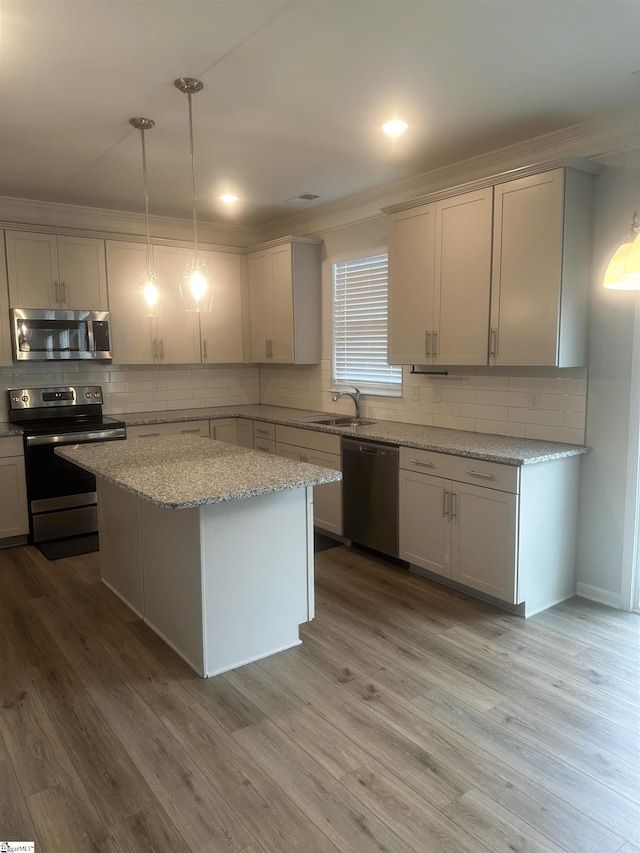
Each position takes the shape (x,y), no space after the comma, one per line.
(53,335)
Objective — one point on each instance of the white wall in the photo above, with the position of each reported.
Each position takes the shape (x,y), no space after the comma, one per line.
(605,470)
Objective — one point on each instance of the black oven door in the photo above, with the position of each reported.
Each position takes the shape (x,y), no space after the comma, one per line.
(62,496)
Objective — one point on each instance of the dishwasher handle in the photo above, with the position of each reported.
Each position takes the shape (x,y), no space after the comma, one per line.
(374,449)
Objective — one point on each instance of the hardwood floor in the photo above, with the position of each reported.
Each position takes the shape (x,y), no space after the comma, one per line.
(411,719)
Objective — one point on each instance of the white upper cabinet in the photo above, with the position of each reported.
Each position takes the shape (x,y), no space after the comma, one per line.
(176,336)
(284,302)
(49,271)
(440,276)
(541,257)
(222,330)
(411,284)
(5,332)
(498,275)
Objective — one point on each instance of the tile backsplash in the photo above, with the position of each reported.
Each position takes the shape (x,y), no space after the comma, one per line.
(142,388)
(543,403)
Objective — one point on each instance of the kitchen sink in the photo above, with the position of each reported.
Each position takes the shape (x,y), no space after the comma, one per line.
(344,422)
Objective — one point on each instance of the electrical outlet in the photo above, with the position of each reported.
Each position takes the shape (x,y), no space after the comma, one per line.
(415,393)
(533,399)
(159,385)
(436,395)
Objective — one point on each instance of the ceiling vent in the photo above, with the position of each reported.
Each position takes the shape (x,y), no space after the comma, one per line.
(302,199)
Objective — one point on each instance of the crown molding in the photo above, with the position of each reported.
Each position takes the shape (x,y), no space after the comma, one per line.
(115,224)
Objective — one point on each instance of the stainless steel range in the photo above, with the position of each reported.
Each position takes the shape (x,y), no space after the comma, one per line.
(62,497)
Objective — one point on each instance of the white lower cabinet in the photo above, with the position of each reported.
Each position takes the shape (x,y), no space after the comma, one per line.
(264,437)
(179,428)
(224,430)
(244,429)
(507,532)
(14,518)
(317,448)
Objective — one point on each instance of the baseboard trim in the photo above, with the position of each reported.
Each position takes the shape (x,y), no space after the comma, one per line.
(599,595)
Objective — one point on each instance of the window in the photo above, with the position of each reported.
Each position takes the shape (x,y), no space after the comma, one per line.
(360,308)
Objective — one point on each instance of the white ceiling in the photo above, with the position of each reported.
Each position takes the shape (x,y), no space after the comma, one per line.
(294,93)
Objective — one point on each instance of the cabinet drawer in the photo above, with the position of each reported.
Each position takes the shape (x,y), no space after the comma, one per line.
(492,475)
(263,430)
(426,462)
(156,430)
(312,439)
(11,446)
(314,457)
(266,445)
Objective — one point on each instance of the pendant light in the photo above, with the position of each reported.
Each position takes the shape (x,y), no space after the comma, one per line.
(623,270)
(196,290)
(149,290)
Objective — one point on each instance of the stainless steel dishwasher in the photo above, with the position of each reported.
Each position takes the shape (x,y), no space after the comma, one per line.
(370,494)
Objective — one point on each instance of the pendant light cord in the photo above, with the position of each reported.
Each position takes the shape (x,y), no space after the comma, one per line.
(146,198)
(193,184)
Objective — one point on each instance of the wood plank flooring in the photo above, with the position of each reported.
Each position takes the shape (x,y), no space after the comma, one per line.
(410,719)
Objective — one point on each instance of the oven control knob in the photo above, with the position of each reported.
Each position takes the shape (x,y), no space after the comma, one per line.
(88,394)
(25,399)
(96,394)
(15,399)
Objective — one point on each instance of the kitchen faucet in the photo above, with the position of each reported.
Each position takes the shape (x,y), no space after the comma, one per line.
(355,396)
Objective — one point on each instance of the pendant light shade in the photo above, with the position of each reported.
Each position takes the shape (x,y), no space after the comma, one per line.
(150,295)
(195,287)
(623,271)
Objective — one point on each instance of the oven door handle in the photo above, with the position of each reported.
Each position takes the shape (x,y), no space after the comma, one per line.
(77,437)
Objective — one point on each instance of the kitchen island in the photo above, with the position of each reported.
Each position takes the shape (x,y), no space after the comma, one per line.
(209,543)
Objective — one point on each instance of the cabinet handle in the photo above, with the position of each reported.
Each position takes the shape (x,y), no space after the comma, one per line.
(454,508)
(56,292)
(204,350)
(155,348)
(435,344)
(427,343)
(422,464)
(304,458)
(185,431)
(445,503)
(63,288)
(269,348)
(261,431)
(482,476)
(161,347)
(493,343)
(148,434)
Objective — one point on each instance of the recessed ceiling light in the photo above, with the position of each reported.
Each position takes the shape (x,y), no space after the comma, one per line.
(228,198)
(395,127)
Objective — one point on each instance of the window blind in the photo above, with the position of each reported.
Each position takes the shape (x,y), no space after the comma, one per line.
(360,310)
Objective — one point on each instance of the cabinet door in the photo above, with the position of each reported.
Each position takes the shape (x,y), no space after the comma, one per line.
(282,294)
(260,278)
(131,332)
(527,268)
(463,228)
(83,276)
(225,430)
(14,520)
(32,266)
(484,542)
(411,285)
(178,330)
(425,528)
(245,433)
(221,329)
(5,330)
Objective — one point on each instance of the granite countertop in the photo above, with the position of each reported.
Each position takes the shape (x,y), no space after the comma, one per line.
(475,445)
(182,471)
(7,429)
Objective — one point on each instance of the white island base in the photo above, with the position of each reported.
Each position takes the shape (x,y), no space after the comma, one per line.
(223,584)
